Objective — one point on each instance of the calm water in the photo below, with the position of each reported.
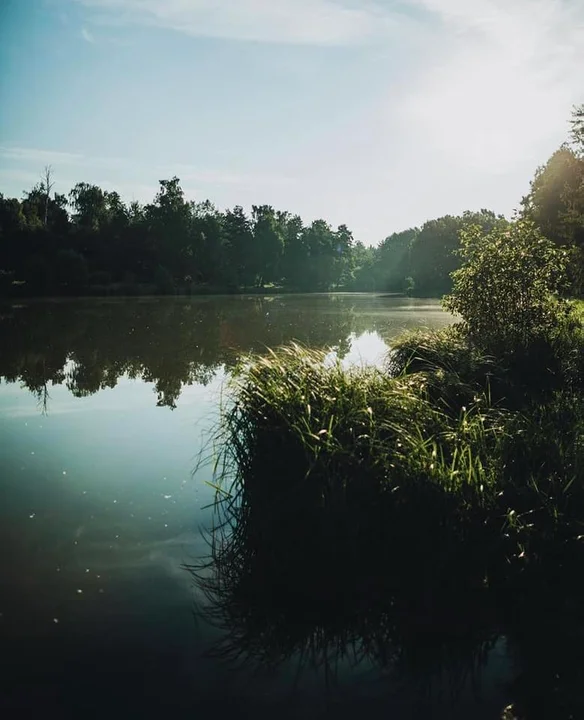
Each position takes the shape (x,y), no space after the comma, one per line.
(104,407)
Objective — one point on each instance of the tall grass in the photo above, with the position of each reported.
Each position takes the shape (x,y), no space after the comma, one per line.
(309,435)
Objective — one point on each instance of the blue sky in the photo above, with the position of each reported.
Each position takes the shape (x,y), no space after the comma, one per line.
(375,113)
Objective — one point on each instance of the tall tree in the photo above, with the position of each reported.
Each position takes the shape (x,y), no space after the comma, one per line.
(296,253)
(169,219)
(556,197)
(342,254)
(363,273)
(268,243)
(89,206)
(208,244)
(320,240)
(239,240)
(555,201)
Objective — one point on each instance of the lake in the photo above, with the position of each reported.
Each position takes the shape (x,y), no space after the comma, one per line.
(105,406)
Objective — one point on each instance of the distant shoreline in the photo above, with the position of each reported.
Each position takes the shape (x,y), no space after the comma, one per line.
(149,292)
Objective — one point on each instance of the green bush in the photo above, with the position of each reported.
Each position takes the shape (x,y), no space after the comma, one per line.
(516,340)
(448,349)
(506,290)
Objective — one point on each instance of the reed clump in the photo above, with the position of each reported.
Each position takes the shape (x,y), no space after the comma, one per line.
(347,504)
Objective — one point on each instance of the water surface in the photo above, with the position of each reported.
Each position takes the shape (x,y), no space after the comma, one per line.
(104,408)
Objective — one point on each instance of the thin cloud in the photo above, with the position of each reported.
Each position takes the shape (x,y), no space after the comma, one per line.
(26,164)
(43,156)
(307,22)
(39,156)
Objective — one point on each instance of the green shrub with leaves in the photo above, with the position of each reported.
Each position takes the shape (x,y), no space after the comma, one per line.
(506,291)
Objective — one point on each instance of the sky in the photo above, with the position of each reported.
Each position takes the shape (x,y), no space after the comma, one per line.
(379,114)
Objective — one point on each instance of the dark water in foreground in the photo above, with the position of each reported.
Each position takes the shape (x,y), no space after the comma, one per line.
(104,407)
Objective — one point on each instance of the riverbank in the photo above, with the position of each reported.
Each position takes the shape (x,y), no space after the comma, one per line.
(120,290)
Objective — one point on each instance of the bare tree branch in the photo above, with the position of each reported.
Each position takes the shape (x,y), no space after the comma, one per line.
(47,184)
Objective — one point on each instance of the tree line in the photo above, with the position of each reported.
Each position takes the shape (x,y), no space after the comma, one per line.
(91,242)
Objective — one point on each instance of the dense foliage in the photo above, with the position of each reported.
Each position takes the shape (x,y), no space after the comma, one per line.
(506,290)
(91,242)
(556,199)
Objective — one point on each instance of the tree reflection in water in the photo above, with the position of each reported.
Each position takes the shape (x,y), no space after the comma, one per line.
(89,345)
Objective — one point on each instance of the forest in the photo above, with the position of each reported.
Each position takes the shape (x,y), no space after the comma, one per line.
(91,242)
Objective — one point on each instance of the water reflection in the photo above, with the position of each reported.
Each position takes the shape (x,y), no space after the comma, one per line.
(90,345)
(323,602)
(98,496)
(405,634)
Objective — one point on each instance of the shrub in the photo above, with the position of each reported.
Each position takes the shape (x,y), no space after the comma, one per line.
(506,290)
(457,372)
(447,349)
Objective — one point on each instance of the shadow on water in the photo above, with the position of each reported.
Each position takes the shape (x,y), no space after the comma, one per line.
(384,638)
(320,604)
